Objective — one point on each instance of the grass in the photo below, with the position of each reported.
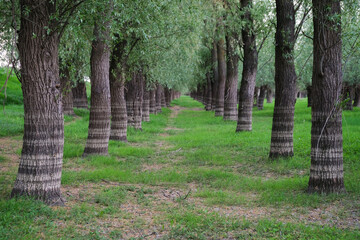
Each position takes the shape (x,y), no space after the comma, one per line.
(185,176)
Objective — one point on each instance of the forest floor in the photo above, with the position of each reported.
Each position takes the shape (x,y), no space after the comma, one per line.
(187,175)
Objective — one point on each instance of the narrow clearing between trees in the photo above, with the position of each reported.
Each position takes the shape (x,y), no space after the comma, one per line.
(187,175)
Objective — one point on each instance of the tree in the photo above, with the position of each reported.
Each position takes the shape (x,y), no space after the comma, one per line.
(39,173)
(250,63)
(285,81)
(232,76)
(326,171)
(100,107)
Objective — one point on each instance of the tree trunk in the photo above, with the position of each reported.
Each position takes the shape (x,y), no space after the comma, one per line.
(163,101)
(134,98)
(215,76)
(100,107)
(232,76)
(246,94)
(348,96)
(269,95)
(158,98)
(326,171)
(208,105)
(357,96)
(219,111)
(67,100)
(146,104)
(39,173)
(309,95)
(260,103)
(79,95)
(256,96)
(118,130)
(167,97)
(285,81)
(153,101)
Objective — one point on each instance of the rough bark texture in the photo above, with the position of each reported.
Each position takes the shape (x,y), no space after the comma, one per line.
(79,95)
(208,106)
(100,107)
(134,98)
(153,101)
(39,173)
(163,101)
(269,95)
(232,76)
(67,100)
(326,172)
(246,94)
(219,111)
(309,95)
(146,104)
(118,130)
(158,98)
(167,96)
(285,81)
(215,76)
(261,98)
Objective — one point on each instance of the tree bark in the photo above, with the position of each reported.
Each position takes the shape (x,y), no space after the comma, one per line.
(146,104)
(326,171)
(100,107)
(219,111)
(158,98)
(232,76)
(260,103)
(309,95)
(246,94)
(163,101)
(153,101)
(215,76)
(67,100)
(285,81)
(118,131)
(134,98)
(208,105)
(269,95)
(39,173)
(79,95)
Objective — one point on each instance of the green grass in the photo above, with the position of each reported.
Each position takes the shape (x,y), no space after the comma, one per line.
(145,183)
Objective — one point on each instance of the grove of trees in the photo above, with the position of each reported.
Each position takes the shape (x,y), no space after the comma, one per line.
(140,55)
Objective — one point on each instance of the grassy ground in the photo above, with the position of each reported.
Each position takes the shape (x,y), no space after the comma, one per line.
(188,175)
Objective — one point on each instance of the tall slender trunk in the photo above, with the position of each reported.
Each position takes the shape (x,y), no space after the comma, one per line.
(250,63)
(79,95)
(260,102)
(134,98)
(153,101)
(100,107)
(39,173)
(158,98)
(285,81)
(167,96)
(146,104)
(219,111)
(232,76)
(269,95)
(163,101)
(326,171)
(208,105)
(118,130)
(309,95)
(215,76)
(67,100)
